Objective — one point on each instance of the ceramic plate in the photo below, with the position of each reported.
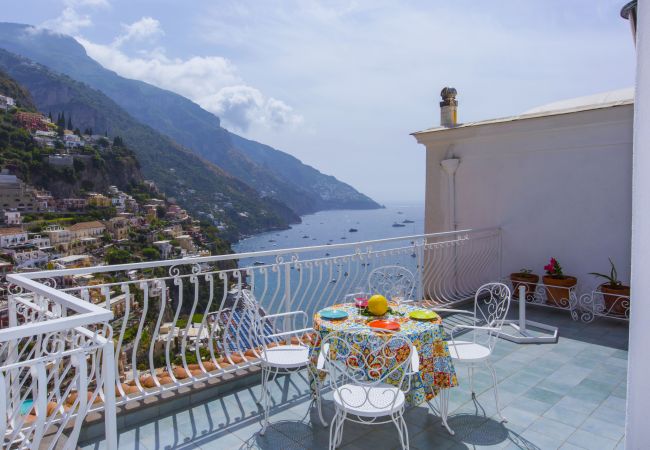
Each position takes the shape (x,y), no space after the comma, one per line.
(389,325)
(423,314)
(333,314)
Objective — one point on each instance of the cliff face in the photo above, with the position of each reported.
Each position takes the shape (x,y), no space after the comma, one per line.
(271,172)
(88,174)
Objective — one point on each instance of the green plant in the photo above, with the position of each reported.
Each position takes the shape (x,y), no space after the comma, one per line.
(525,272)
(612,278)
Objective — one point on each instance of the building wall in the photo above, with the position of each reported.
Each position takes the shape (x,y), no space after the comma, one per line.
(557,186)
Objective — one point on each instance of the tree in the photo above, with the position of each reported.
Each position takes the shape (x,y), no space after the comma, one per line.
(118,142)
(150,253)
(161,212)
(117,256)
(69,122)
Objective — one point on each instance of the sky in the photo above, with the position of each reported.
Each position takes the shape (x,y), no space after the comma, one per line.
(342,84)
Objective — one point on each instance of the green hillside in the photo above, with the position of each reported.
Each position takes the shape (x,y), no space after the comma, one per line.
(199,186)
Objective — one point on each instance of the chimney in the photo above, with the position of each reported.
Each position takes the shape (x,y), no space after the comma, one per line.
(448,108)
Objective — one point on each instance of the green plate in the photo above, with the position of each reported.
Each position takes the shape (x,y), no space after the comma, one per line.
(423,314)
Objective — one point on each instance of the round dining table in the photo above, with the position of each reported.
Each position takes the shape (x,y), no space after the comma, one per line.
(436,372)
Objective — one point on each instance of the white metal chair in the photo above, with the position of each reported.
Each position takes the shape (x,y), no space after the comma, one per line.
(491,304)
(280,352)
(392,281)
(369,387)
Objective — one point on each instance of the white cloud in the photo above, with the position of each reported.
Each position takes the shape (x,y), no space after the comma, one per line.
(71,21)
(68,22)
(211,81)
(143,29)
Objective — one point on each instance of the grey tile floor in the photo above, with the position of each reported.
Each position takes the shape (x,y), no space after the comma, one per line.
(569,395)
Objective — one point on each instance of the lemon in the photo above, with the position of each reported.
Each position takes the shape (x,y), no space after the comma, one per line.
(378,305)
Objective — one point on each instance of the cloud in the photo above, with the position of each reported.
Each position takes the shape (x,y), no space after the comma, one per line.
(71,21)
(211,81)
(243,105)
(143,29)
(68,22)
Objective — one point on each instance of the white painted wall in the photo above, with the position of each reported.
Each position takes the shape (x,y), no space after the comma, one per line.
(638,390)
(557,185)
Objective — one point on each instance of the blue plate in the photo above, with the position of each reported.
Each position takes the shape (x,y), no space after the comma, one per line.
(333,314)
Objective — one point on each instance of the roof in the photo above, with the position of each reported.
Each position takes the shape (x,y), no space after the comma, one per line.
(10,231)
(602,100)
(86,225)
(72,258)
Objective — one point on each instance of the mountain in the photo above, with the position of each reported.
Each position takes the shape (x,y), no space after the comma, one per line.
(10,88)
(198,185)
(271,172)
(90,171)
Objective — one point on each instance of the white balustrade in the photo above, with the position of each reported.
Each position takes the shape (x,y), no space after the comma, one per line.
(86,339)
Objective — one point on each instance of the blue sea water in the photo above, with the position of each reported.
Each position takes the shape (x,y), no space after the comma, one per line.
(326,229)
(333,227)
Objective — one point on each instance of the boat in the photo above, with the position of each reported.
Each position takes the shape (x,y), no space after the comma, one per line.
(258,263)
(397,225)
(400,212)
(407,221)
(305,237)
(271,240)
(343,237)
(352,230)
(327,254)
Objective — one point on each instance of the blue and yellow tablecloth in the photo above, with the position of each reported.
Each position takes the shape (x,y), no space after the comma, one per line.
(436,367)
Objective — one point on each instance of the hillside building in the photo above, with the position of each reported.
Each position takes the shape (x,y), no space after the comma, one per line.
(99,200)
(11,237)
(16,195)
(33,121)
(6,102)
(13,218)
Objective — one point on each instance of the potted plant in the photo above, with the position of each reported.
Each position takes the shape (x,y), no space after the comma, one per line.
(615,293)
(557,285)
(526,278)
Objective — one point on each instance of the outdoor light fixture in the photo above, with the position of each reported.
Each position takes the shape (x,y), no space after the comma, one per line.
(629,12)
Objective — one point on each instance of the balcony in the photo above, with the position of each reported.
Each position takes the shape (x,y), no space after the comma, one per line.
(140,355)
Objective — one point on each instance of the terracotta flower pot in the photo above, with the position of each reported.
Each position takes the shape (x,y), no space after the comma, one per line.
(557,289)
(617,299)
(528,280)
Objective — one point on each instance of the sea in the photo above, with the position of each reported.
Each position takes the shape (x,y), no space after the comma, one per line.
(335,227)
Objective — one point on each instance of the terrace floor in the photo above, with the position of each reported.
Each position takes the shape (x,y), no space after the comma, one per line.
(569,395)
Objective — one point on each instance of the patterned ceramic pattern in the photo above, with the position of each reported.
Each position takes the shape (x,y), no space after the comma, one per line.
(436,367)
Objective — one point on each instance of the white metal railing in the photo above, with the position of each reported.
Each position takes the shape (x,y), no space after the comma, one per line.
(168,321)
(54,361)
(583,303)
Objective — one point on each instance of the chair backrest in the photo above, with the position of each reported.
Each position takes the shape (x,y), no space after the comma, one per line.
(392,281)
(368,360)
(241,327)
(491,304)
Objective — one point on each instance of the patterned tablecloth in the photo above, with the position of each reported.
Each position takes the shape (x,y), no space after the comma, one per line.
(436,367)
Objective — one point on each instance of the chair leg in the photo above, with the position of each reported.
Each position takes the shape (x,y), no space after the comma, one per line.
(400,423)
(319,405)
(341,425)
(266,403)
(496,389)
(334,431)
(470,372)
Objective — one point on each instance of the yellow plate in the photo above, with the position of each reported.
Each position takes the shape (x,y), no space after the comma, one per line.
(423,314)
